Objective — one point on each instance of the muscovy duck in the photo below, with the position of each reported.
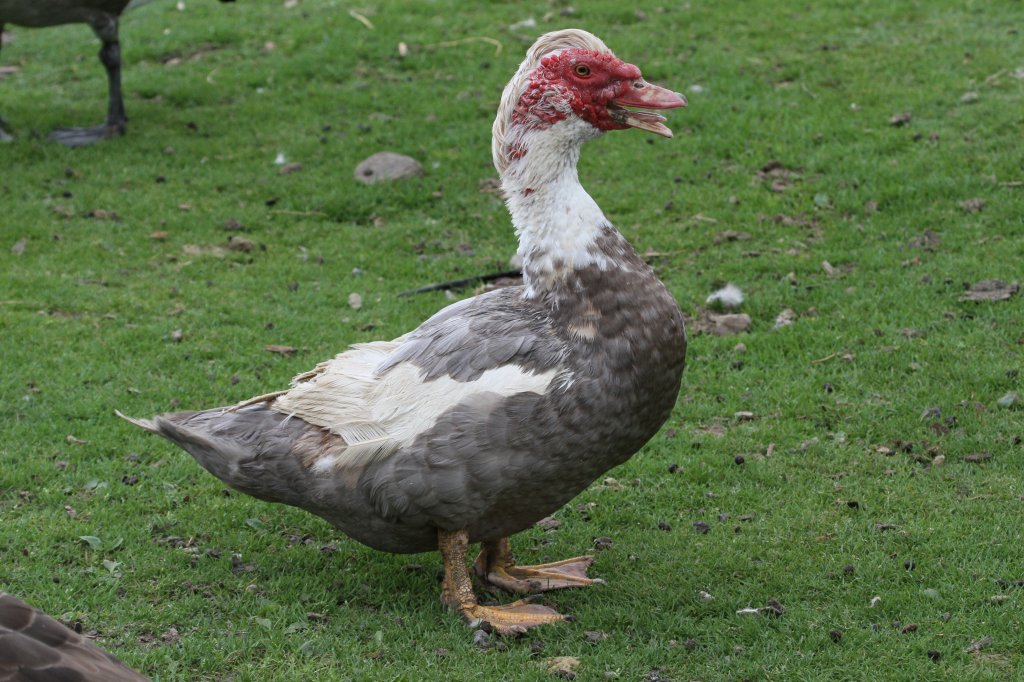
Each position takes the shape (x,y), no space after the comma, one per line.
(102,16)
(35,647)
(500,408)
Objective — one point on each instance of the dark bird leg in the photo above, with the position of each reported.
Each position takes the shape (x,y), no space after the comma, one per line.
(457,593)
(4,135)
(105,28)
(496,566)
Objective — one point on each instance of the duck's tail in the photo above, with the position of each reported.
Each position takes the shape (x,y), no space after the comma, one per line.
(254,449)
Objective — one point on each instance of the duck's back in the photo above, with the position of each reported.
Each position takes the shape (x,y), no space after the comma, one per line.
(40,13)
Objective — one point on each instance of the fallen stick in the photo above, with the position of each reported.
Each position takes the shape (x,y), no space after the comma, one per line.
(462,283)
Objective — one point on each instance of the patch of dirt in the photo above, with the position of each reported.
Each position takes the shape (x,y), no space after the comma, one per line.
(777,177)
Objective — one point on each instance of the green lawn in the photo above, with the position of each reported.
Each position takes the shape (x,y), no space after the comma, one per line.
(839,497)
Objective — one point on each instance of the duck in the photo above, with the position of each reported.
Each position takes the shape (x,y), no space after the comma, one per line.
(103,17)
(35,647)
(500,408)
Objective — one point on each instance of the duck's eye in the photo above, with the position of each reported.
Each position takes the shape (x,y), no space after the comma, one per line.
(582,70)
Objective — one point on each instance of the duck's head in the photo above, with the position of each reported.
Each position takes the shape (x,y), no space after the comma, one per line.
(571,76)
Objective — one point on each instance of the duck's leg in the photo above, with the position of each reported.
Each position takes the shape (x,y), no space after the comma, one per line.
(105,28)
(457,592)
(497,566)
(4,135)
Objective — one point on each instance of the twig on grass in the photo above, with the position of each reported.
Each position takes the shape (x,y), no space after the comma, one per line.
(361,19)
(285,211)
(471,39)
(462,283)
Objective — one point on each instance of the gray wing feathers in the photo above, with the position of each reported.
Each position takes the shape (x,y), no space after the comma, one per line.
(473,336)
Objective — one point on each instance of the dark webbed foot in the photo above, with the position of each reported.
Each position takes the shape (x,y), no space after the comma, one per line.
(496,566)
(105,27)
(83,137)
(4,135)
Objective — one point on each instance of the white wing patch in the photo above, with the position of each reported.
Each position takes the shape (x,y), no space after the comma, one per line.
(378,415)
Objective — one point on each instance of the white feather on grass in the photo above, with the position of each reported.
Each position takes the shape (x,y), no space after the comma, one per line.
(728,297)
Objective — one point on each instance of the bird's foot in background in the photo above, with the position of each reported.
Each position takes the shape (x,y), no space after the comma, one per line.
(83,137)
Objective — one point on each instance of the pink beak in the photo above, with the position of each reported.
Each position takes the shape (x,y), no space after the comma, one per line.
(646,96)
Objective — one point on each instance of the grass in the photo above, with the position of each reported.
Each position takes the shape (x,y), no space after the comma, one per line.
(842,399)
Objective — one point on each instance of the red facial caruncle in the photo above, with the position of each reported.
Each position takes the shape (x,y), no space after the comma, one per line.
(594,86)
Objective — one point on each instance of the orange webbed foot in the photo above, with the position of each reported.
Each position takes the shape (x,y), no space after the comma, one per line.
(496,566)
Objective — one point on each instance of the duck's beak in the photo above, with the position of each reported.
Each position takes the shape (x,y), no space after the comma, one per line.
(646,96)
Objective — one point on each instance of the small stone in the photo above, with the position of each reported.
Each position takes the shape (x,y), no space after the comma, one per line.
(602,543)
(739,459)
(549,523)
(702,527)
(236,243)
(972,205)
(848,569)
(785,318)
(934,655)
(481,639)
(664,525)
(563,666)
(728,325)
(1009,400)
(901,119)
(386,166)
(990,290)
(835,635)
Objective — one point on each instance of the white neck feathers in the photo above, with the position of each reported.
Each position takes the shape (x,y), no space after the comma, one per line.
(556,221)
